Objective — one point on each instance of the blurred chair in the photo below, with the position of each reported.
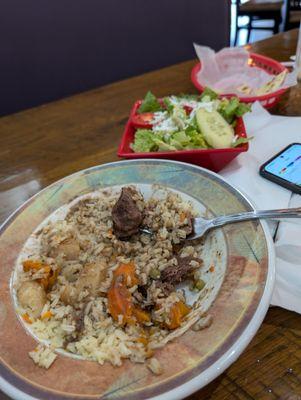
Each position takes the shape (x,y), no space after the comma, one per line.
(258,10)
(292,14)
(52,49)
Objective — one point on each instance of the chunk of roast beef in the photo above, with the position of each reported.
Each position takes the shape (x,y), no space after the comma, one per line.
(177,247)
(143,298)
(80,322)
(175,274)
(79,318)
(126,215)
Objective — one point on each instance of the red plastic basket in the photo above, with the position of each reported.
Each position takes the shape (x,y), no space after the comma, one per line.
(271,66)
(213,159)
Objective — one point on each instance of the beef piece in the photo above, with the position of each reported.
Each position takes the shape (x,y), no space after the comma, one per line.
(79,319)
(80,322)
(126,215)
(178,273)
(142,297)
(142,289)
(177,247)
(145,299)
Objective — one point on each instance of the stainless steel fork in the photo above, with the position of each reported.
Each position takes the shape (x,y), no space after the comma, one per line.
(202,225)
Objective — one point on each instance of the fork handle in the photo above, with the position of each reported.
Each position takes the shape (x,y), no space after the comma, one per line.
(246,216)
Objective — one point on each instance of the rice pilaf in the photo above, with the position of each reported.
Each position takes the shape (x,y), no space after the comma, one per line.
(99,288)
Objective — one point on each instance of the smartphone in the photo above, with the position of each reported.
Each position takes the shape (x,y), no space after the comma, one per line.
(285,168)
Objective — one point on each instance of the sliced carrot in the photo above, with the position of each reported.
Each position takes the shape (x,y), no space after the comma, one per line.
(128,272)
(119,302)
(43,282)
(29,265)
(120,298)
(27,318)
(176,314)
(184,308)
(50,275)
(141,316)
(142,340)
(46,315)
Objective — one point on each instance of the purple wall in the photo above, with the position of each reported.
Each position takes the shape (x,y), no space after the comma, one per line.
(53,48)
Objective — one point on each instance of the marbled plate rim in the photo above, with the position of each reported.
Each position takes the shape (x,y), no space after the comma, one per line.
(227,358)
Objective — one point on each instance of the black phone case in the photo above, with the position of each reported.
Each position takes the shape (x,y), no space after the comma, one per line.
(282,182)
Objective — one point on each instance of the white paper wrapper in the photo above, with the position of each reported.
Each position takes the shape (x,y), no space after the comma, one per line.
(228,71)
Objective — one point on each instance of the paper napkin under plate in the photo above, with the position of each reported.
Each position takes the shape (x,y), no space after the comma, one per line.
(271,135)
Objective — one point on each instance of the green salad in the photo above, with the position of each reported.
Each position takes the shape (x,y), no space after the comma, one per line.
(187,122)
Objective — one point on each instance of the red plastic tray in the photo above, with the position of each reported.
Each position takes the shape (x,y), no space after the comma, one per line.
(271,66)
(213,159)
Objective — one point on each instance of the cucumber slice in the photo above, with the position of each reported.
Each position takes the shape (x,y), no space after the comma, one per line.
(217,132)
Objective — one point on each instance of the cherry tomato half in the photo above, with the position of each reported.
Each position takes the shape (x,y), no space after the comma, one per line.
(143,120)
(188,109)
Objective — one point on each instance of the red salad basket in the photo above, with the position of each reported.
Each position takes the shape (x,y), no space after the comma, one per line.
(271,66)
(213,159)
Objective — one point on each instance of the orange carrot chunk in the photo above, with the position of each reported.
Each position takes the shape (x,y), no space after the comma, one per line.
(141,315)
(119,302)
(120,299)
(176,314)
(46,315)
(143,340)
(50,275)
(29,265)
(128,272)
(27,318)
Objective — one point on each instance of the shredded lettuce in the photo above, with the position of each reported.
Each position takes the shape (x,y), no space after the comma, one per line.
(241,140)
(179,117)
(232,109)
(150,104)
(164,146)
(189,97)
(144,141)
(168,104)
(182,138)
(208,94)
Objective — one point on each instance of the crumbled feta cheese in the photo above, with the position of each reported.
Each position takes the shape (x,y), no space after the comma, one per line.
(165,125)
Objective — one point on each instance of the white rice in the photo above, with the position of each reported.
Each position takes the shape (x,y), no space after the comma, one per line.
(89,224)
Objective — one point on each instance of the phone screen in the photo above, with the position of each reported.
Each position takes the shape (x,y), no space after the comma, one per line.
(287,165)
